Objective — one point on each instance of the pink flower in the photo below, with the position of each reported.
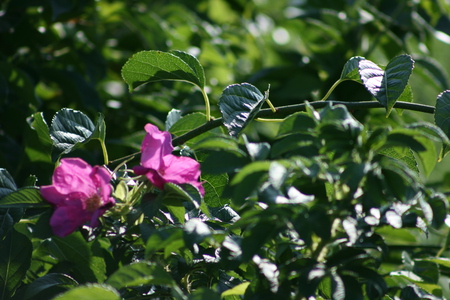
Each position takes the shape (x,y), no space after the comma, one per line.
(161,166)
(80,193)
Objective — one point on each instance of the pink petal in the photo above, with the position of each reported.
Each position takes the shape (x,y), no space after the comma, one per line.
(73,175)
(156,145)
(182,169)
(140,170)
(66,220)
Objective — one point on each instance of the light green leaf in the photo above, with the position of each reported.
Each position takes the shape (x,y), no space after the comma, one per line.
(387,86)
(151,66)
(239,104)
(15,259)
(40,125)
(404,154)
(24,198)
(189,122)
(237,290)
(351,67)
(91,292)
(295,123)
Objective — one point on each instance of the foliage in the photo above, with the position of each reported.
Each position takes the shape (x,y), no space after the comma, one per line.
(342,195)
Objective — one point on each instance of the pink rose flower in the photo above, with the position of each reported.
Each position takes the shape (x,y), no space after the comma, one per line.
(161,166)
(80,193)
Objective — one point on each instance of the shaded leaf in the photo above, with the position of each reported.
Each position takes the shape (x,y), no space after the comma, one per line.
(441,117)
(7,184)
(351,67)
(239,104)
(48,281)
(15,259)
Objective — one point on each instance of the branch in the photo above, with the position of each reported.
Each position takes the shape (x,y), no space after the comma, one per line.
(284,111)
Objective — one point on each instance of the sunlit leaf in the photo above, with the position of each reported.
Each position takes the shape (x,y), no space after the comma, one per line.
(151,66)
(23,198)
(92,291)
(386,86)
(239,104)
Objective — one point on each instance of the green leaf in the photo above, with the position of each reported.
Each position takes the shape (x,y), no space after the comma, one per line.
(442,119)
(151,66)
(140,273)
(433,70)
(404,154)
(24,198)
(196,231)
(173,116)
(387,86)
(7,184)
(257,151)
(40,125)
(214,186)
(351,67)
(189,122)
(71,128)
(239,104)
(91,292)
(204,294)
(295,123)
(74,249)
(237,290)
(48,281)
(15,259)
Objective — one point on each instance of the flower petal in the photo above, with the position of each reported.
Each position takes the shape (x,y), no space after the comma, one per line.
(101,178)
(73,175)
(182,169)
(66,219)
(155,146)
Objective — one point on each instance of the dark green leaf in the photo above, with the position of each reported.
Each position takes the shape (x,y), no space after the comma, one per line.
(7,184)
(24,198)
(441,117)
(427,270)
(151,66)
(48,281)
(15,259)
(205,294)
(439,205)
(239,104)
(69,129)
(196,231)
(433,70)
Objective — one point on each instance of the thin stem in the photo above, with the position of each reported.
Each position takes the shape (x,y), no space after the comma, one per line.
(284,111)
(332,89)
(105,153)
(268,120)
(207,106)
(271,105)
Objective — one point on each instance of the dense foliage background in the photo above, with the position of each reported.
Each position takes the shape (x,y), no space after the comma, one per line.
(332,216)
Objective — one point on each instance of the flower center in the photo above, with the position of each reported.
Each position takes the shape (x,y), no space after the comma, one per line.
(93,203)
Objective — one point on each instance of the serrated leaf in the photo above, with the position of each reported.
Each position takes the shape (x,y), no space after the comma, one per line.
(140,273)
(40,125)
(214,186)
(15,259)
(386,86)
(7,184)
(48,281)
(239,104)
(71,128)
(404,154)
(24,198)
(151,66)
(91,292)
(441,117)
(351,67)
